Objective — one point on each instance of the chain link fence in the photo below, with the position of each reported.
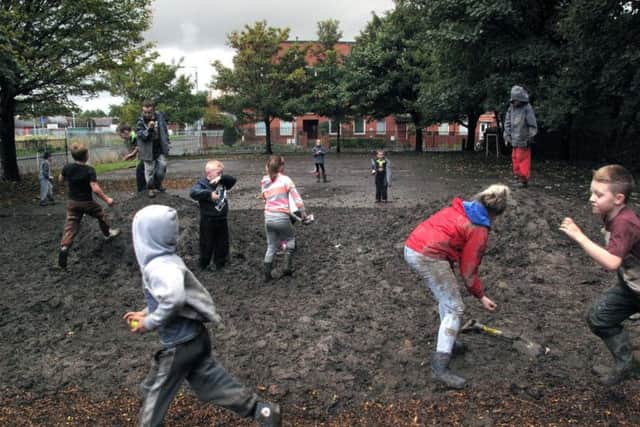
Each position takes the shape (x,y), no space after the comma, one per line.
(107,146)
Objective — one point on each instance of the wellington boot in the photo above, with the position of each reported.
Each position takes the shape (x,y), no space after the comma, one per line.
(441,373)
(459,348)
(288,261)
(267,271)
(620,347)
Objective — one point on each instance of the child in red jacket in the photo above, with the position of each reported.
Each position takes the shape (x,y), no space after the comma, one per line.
(455,234)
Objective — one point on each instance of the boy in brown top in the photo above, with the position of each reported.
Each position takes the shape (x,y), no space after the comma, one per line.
(82,184)
(610,190)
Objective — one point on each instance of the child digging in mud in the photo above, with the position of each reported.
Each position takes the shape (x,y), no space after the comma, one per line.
(211,194)
(276,189)
(611,187)
(83,183)
(178,305)
(455,234)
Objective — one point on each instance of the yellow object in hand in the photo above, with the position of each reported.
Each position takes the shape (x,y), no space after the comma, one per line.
(133,324)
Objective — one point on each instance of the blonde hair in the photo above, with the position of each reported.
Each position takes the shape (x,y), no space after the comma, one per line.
(494,198)
(618,177)
(214,164)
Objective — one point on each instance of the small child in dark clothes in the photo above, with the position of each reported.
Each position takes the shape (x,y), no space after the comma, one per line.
(178,306)
(131,139)
(318,158)
(211,193)
(381,168)
(83,183)
(46,181)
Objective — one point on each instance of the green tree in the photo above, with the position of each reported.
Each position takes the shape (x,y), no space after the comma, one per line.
(385,69)
(328,95)
(478,50)
(139,77)
(595,90)
(50,50)
(265,82)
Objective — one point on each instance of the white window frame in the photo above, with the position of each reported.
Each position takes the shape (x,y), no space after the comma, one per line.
(381,127)
(261,129)
(287,129)
(443,128)
(463,130)
(364,127)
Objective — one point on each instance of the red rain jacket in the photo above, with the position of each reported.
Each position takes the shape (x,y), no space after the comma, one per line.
(448,234)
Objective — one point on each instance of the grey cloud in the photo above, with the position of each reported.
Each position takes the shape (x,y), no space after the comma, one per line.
(191,25)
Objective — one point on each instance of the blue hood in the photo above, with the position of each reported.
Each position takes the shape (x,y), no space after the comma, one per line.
(477,213)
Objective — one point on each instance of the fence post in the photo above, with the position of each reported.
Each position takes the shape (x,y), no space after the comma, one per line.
(66,145)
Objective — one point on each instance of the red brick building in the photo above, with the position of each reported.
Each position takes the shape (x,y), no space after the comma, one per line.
(306,129)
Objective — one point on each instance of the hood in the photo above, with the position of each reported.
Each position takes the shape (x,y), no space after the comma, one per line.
(477,213)
(519,94)
(155,233)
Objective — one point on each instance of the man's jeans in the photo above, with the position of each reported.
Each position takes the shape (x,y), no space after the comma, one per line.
(155,171)
(440,279)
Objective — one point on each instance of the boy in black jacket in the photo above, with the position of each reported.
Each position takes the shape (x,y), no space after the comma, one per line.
(211,193)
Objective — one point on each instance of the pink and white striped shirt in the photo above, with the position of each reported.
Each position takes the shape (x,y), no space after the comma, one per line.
(276,195)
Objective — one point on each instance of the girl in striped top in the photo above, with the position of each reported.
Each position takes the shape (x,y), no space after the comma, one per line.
(281,199)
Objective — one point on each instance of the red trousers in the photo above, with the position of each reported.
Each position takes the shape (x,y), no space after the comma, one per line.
(521,159)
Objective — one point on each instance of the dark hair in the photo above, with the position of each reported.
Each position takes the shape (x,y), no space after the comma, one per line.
(273,166)
(79,152)
(124,127)
(618,177)
(148,103)
(46,155)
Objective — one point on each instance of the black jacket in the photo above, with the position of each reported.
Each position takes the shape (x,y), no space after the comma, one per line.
(201,191)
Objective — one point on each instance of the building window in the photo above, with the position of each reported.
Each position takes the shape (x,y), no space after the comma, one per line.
(443,129)
(261,129)
(286,128)
(381,127)
(463,130)
(333,127)
(359,127)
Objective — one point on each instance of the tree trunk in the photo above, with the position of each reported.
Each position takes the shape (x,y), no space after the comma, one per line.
(417,121)
(472,123)
(267,149)
(338,136)
(8,139)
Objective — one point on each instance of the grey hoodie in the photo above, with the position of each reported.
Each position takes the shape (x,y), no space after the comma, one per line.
(177,303)
(520,124)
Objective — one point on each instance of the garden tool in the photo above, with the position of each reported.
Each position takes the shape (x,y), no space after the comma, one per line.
(520,343)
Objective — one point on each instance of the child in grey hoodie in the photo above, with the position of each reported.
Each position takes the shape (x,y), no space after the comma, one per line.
(178,305)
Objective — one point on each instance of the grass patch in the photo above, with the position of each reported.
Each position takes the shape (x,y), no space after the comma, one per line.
(108,167)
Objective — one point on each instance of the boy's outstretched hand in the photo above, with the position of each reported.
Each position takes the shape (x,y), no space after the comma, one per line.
(488,304)
(135,320)
(570,228)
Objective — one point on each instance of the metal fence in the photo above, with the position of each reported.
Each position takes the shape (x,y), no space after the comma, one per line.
(109,147)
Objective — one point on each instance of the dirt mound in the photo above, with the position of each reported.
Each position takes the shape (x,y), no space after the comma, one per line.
(351,326)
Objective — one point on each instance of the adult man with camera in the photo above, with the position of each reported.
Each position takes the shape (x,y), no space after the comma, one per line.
(153,146)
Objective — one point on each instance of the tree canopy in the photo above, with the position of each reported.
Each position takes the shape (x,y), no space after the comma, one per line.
(51,50)
(265,82)
(139,77)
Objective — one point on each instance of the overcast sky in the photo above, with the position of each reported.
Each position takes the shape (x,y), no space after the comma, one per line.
(196,30)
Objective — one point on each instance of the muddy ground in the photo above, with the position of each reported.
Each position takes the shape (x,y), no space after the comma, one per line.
(346,340)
